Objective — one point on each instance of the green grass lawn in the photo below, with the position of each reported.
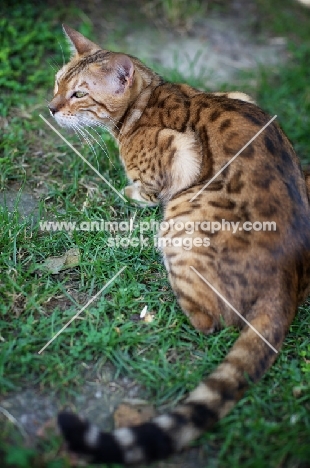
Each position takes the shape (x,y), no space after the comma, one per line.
(270,427)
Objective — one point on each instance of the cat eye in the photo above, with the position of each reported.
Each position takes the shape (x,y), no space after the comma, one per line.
(79,94)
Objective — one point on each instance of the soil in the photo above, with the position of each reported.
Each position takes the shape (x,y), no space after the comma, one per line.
(215,48)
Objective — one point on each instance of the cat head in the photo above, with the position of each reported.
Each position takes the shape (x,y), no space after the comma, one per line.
(96,86)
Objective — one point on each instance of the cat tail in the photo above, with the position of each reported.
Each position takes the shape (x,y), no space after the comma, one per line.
(168,433)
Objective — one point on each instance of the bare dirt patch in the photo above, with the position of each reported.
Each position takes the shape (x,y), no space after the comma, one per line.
(218,46)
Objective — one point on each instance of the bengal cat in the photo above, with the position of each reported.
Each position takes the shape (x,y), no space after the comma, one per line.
(173,139)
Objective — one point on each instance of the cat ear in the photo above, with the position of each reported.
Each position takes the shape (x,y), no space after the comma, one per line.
(80,45)
(122,74)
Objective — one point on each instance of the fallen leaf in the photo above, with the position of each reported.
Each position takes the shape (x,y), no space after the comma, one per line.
(69,260)
(132,415)
(148,318)
(298,391)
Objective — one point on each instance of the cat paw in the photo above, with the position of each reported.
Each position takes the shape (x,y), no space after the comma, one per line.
(203,322)
(132,193)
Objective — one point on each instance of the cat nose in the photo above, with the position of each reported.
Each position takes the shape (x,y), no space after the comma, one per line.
(52,109)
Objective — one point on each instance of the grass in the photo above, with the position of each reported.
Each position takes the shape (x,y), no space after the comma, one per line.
(271,425)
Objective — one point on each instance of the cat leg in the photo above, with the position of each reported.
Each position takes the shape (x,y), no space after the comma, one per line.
(138,196)
(198,308)
(201,310)
(202,321)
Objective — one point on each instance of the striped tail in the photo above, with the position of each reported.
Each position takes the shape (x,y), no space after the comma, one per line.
(169,433)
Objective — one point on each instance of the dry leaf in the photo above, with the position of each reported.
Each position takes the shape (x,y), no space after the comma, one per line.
(69,260)
(132,415)
(297,392)
(148,318)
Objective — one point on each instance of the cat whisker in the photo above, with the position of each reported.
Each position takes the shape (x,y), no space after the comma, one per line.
(57,64)
(107,129)
(105,149)
(115,125)
(88,141)
(77,134)
(98,143)
(84,133)
(80,134)
(55,69)
(98,123)
(63,55)
(92,123)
